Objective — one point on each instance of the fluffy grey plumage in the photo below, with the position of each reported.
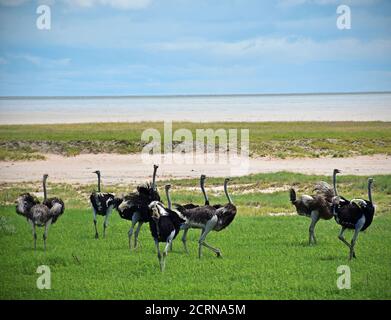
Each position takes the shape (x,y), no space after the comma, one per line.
(316,207)
(40,214)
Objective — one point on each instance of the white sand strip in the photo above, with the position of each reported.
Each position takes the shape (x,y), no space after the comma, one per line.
(117,168)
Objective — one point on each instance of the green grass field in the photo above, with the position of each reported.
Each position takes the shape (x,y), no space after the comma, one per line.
(277,139)
(264,257)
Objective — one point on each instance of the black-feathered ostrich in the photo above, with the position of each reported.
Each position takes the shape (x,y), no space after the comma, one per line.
(134,206)
(40,214)
(102,204)
(356,215)
(315,207)
(164,225)
(208,218)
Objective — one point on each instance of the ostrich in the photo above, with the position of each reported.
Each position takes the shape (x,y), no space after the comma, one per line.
(40,214)
(165,225)
(208,218)
(357,215)
(102,204)
(316,207)
(191,206)
(134,206)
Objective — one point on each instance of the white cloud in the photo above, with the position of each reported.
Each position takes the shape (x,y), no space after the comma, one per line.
(118,4)
(285,49)
(12,3)
(291,3)
(41,61)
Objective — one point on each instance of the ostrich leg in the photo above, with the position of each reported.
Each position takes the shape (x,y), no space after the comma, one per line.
(34,233)
(342,238)
(96,230)
(159,255)
(360,223)
(168,245)
(106,222)
(136,243)
(45,234)
(209,227)
(135,219)
(314,220)
(184,239)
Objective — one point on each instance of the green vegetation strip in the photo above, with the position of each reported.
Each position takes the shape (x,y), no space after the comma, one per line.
(277,139)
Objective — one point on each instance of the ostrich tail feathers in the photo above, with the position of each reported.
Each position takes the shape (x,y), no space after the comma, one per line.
(292,194)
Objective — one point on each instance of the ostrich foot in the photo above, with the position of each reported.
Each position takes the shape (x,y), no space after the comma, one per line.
(96,236)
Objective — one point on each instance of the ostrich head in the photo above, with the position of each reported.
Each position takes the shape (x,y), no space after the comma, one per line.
(370,180)
(45,177)
(167,187)
(336,171)
(96,172)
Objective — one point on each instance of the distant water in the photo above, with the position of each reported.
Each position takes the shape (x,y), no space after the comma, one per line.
(306,107)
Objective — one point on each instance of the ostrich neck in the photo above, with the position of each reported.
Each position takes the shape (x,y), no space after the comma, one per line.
(370,192)
(154,178)
(226,192)
(98,182)
(168,199)
(44,190)
(335,184)
(204,193)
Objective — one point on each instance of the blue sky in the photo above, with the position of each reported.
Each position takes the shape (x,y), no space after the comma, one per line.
(150,47)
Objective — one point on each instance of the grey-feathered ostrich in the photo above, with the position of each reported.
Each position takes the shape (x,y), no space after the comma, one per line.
(165,225)
(316,207)
(356,215)
(40,214)
(191,206)
(208,218)
(102,204)
(135,206)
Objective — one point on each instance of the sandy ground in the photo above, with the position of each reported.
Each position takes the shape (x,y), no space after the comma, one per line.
(132,169)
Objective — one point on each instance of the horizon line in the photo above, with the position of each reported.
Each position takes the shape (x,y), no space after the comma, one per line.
(193,95)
